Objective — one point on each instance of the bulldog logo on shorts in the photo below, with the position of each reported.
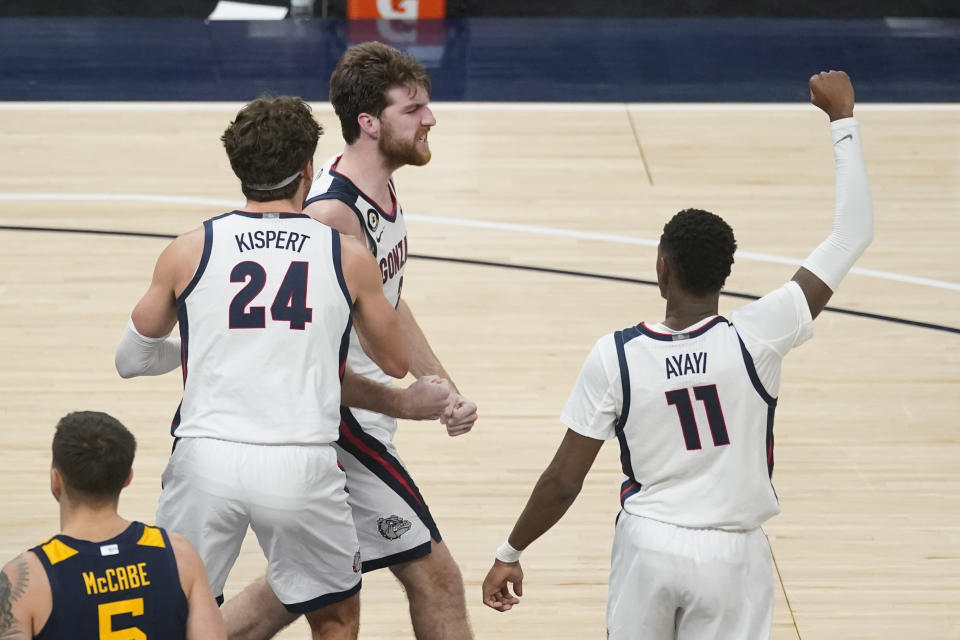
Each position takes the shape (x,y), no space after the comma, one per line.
(393,527)
(356,562)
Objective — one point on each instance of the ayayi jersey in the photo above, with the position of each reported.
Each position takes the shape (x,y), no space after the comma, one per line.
(125,587)
(386,237)
(693,411)
(264,325)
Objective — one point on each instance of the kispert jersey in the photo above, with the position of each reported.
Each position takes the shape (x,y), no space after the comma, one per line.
(125,587)
(264,325)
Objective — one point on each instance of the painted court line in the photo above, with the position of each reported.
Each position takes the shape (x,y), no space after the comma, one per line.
(457,222)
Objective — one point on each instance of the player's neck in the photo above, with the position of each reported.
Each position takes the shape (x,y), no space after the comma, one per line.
(685,310)
(366,167)
(91,522)
(291,205)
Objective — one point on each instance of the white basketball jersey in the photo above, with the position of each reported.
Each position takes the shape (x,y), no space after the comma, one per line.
(693,411)
(264,326)
(386,235)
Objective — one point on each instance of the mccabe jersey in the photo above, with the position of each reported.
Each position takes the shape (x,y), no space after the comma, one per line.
(693,411)
(386,236)
(125,587)
(264,325)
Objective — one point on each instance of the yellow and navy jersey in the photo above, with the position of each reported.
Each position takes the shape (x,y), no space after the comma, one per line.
(126,587)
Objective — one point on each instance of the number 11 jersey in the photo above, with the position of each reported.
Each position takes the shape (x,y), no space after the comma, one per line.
(693,411)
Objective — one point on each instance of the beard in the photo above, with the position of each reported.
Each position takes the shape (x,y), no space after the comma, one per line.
(399,152)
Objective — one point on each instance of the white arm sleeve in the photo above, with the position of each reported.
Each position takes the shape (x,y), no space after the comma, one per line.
(138,355)
(853,209)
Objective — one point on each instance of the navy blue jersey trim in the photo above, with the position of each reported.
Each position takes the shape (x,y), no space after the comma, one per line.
(344,348)
(337,195)
(357,191)
(324,600)
(752,372)
(338,268)
(374,456)
(204,259)
(770,414)
(672,337)
(620,338)
(418,551)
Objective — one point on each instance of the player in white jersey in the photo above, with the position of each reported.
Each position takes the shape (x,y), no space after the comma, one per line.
(381,98)
(691,401)
(264,299)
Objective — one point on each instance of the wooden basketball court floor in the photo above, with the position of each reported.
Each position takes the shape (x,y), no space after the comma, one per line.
(868,425)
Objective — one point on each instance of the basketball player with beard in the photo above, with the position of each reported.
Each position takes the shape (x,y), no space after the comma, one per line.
(381,97)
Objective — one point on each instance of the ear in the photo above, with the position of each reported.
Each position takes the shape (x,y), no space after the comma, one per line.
(369,125)
(129,479)
(56,483)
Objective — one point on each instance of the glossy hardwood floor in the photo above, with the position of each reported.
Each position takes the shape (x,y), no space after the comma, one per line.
(868,425)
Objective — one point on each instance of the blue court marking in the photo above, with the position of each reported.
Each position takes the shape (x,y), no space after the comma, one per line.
(484,59)
(521,267)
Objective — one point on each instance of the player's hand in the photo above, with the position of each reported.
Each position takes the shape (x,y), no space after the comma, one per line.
(496,593)
(833,93)
(428,398)
(459,416)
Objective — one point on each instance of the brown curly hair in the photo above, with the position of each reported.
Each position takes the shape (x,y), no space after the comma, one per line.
(363,76)
(270,140)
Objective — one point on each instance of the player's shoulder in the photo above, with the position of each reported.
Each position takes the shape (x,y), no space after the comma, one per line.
(24,575)
(335,214)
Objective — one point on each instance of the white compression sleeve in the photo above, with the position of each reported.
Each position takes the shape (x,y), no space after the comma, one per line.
(138,355)
(853,208)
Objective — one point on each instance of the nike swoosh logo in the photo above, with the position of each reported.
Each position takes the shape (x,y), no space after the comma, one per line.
(379,236)
(849,135)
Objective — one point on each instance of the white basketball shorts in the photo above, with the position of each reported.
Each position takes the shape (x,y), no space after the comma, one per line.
(291,495)
(392,519)
(671,582)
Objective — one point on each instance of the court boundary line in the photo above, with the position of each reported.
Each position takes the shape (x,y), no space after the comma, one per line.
(504,265)
(458,222)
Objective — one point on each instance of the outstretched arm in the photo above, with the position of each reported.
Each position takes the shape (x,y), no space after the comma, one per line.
(558,487)
(822,271)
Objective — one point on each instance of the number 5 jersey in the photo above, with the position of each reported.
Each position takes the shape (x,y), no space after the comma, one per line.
(125,587)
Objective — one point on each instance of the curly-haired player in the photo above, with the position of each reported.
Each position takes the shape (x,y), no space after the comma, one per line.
(691,400)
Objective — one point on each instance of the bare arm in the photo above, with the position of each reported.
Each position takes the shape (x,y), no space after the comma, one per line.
(555,491)
(377,322)
(822,271)
(425,399)
(25,600)
(203,617)
(423,361)
(461,415)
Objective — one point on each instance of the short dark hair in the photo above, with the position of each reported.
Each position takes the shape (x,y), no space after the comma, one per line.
(270,140)
(362,77)
(93,453)
(699,246)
